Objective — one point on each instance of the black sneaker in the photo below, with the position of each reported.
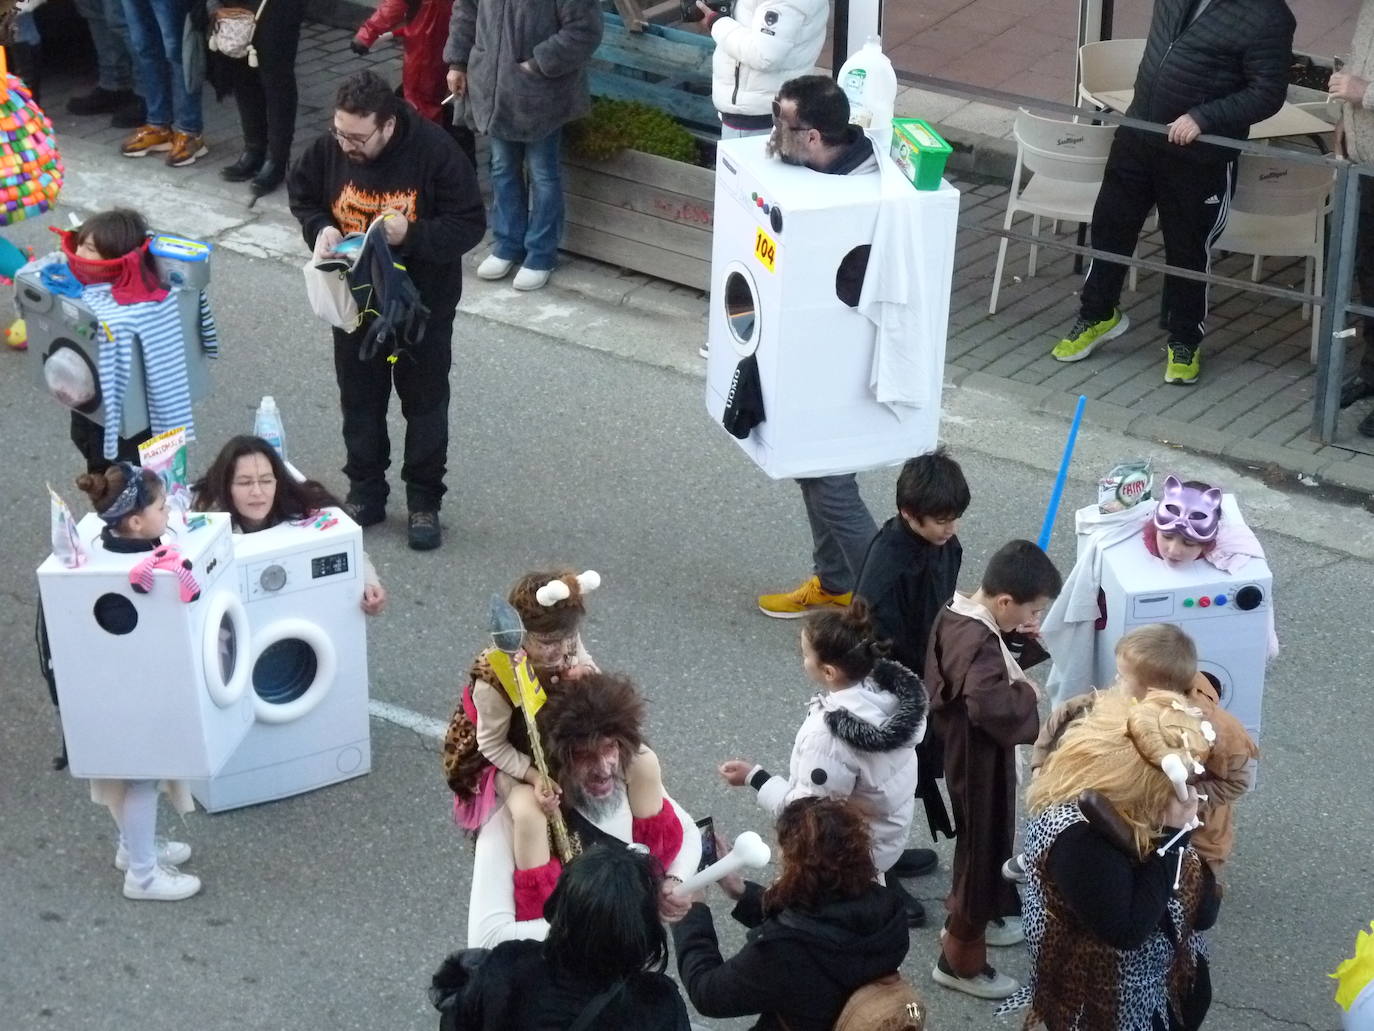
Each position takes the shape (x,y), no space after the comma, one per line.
(1357,388)
(364,513)
(424,532)
(99,102)
(915,862)
(915,912)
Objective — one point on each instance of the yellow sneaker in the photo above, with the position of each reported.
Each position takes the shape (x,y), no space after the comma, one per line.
(809,597)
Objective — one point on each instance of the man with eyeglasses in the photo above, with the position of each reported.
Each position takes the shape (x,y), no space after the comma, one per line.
(381,160)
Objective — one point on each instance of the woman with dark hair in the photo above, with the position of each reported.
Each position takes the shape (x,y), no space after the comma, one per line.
(823,929)
(249,480)
(600,967)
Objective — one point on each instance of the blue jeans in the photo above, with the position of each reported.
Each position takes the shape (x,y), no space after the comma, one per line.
(109,33)
(527,220)
(155,39)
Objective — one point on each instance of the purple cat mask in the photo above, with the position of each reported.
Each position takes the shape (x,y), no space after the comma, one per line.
(1193,513)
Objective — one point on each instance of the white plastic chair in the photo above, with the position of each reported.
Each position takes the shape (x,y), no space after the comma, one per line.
(1107,66)
(1279,210)
(1065,161)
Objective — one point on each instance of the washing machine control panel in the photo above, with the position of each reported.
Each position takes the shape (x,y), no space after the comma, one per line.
(282,574)
(329,565)
(1195,603)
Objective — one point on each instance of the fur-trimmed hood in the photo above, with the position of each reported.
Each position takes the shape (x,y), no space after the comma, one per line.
(886,710)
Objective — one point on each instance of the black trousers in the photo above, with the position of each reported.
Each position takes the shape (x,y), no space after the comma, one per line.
(1193,198)
(89,438)
(1364,274)
(420,375)
(266,95)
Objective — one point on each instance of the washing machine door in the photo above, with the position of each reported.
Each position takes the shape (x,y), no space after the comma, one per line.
(70,376)
(1221,680)
(740,300)
(224,649)
(294,667)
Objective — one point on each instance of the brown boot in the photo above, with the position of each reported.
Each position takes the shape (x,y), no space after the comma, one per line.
(146,139)
(186,147)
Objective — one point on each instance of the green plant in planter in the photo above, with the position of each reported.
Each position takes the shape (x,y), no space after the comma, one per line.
(616,125)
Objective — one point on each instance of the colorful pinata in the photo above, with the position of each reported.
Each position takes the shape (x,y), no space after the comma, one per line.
(30,166)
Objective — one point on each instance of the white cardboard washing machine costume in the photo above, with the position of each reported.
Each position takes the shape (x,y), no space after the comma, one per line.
(787,241)
(152,685)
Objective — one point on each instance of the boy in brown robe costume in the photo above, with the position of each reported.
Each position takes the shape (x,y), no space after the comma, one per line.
(984,706)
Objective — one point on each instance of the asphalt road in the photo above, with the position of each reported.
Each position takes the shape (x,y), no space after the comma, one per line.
(331,910)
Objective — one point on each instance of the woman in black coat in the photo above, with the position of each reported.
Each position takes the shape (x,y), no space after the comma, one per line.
(601,966)
(824,928)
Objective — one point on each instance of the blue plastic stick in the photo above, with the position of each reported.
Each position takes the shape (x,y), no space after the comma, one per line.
(1048,526)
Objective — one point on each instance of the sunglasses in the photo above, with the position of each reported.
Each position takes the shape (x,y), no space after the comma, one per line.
(779,123)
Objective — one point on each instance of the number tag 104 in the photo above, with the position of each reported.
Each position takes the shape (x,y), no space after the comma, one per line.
(765,249)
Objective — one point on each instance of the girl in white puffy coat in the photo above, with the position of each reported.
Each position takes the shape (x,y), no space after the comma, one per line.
(858,740)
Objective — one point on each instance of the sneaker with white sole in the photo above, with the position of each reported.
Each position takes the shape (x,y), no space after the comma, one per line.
(167,884)
(705,350)
(1086,336)
(169,853)
(493,267)
(531,278)
(1014,869)
(988,984)
(1004,932)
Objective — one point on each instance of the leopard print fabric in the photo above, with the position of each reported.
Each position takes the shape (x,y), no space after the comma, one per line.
(462,762)
(1070,968)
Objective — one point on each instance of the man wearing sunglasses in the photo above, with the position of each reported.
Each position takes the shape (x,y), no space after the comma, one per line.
(381,160)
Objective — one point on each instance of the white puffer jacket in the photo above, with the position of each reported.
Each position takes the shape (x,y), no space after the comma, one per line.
(859,743)
(762,45)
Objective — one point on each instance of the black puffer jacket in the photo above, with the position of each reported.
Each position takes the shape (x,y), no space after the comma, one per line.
(797,966)
(1228,68)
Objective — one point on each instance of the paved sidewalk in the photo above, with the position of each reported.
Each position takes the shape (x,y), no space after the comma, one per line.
(1252,405)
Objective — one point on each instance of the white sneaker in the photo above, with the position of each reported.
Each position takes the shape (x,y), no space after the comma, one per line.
(169,853)
(167,885)
(987,985)
(530,278)
(1005,932)
(1014,869)
(493,267)
(705,350)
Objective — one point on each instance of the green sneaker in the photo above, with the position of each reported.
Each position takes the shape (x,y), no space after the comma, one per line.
(1085,336)
(1184,364)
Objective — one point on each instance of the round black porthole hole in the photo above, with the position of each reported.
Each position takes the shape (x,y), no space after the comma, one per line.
(115,614)
(849,278)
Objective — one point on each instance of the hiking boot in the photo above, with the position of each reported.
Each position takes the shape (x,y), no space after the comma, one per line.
(423,533)
(364,513)
(169,853)
(1085,336)
(809,597)
(99,101)
(146,139)
(493,267)
(186,148)
(1014,869)
(988,984)
(1184,363)
(1357,388)
(915,862)
(1004,931)
(165,885)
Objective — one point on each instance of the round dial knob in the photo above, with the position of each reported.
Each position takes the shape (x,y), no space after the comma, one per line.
(273,578)
(1249,597)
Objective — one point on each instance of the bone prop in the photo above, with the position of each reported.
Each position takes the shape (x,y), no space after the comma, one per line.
(749,851)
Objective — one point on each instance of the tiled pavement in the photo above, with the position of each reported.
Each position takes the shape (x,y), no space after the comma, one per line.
(1252,404)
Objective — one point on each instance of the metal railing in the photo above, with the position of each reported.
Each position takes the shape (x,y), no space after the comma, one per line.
(1333,302)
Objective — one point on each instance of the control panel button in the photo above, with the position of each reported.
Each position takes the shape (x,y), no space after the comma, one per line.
(1221,599)
(1204,602)
(1187,603)
(1249,597)
(273,578)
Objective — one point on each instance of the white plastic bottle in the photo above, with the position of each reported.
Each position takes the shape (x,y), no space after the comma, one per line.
(870,83)
(267,425)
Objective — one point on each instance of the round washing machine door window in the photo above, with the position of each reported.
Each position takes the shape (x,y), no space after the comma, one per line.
(741,310)
(223,650)
(71,378)
(294,666)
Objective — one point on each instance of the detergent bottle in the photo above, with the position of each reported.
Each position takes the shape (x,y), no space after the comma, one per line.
(870,83)
(267,425)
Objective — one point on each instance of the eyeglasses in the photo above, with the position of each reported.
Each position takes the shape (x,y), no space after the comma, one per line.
(357,141)
(779,123)
(263,483)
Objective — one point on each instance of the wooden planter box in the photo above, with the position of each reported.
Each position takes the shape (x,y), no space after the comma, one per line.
(642,212)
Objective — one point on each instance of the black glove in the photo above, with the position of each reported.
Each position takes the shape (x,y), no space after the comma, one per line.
(357,48)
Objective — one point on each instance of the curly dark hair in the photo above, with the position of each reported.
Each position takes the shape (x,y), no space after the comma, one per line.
(827,855)
(367,93)
(294,499)
(562,617)
(582,713)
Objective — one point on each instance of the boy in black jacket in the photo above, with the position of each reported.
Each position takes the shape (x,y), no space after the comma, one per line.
(381,160)
(909,576)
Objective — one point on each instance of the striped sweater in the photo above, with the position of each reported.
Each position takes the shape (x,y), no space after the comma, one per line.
(155,328)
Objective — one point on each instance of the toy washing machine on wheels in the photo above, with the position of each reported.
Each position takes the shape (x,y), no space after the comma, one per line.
(1228,615)
(150,686)
(789,254)
(302,586)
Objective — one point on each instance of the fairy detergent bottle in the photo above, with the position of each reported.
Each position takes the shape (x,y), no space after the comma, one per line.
(870,83)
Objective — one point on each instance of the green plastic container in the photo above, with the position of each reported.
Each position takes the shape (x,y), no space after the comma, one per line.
(920,152)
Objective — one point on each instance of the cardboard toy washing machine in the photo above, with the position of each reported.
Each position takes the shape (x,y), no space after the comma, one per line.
(302,588)
(65,337)
(790,247)
(1228,616)
(150,686)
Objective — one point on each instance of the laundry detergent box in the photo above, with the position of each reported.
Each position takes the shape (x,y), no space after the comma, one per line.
(920,152)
